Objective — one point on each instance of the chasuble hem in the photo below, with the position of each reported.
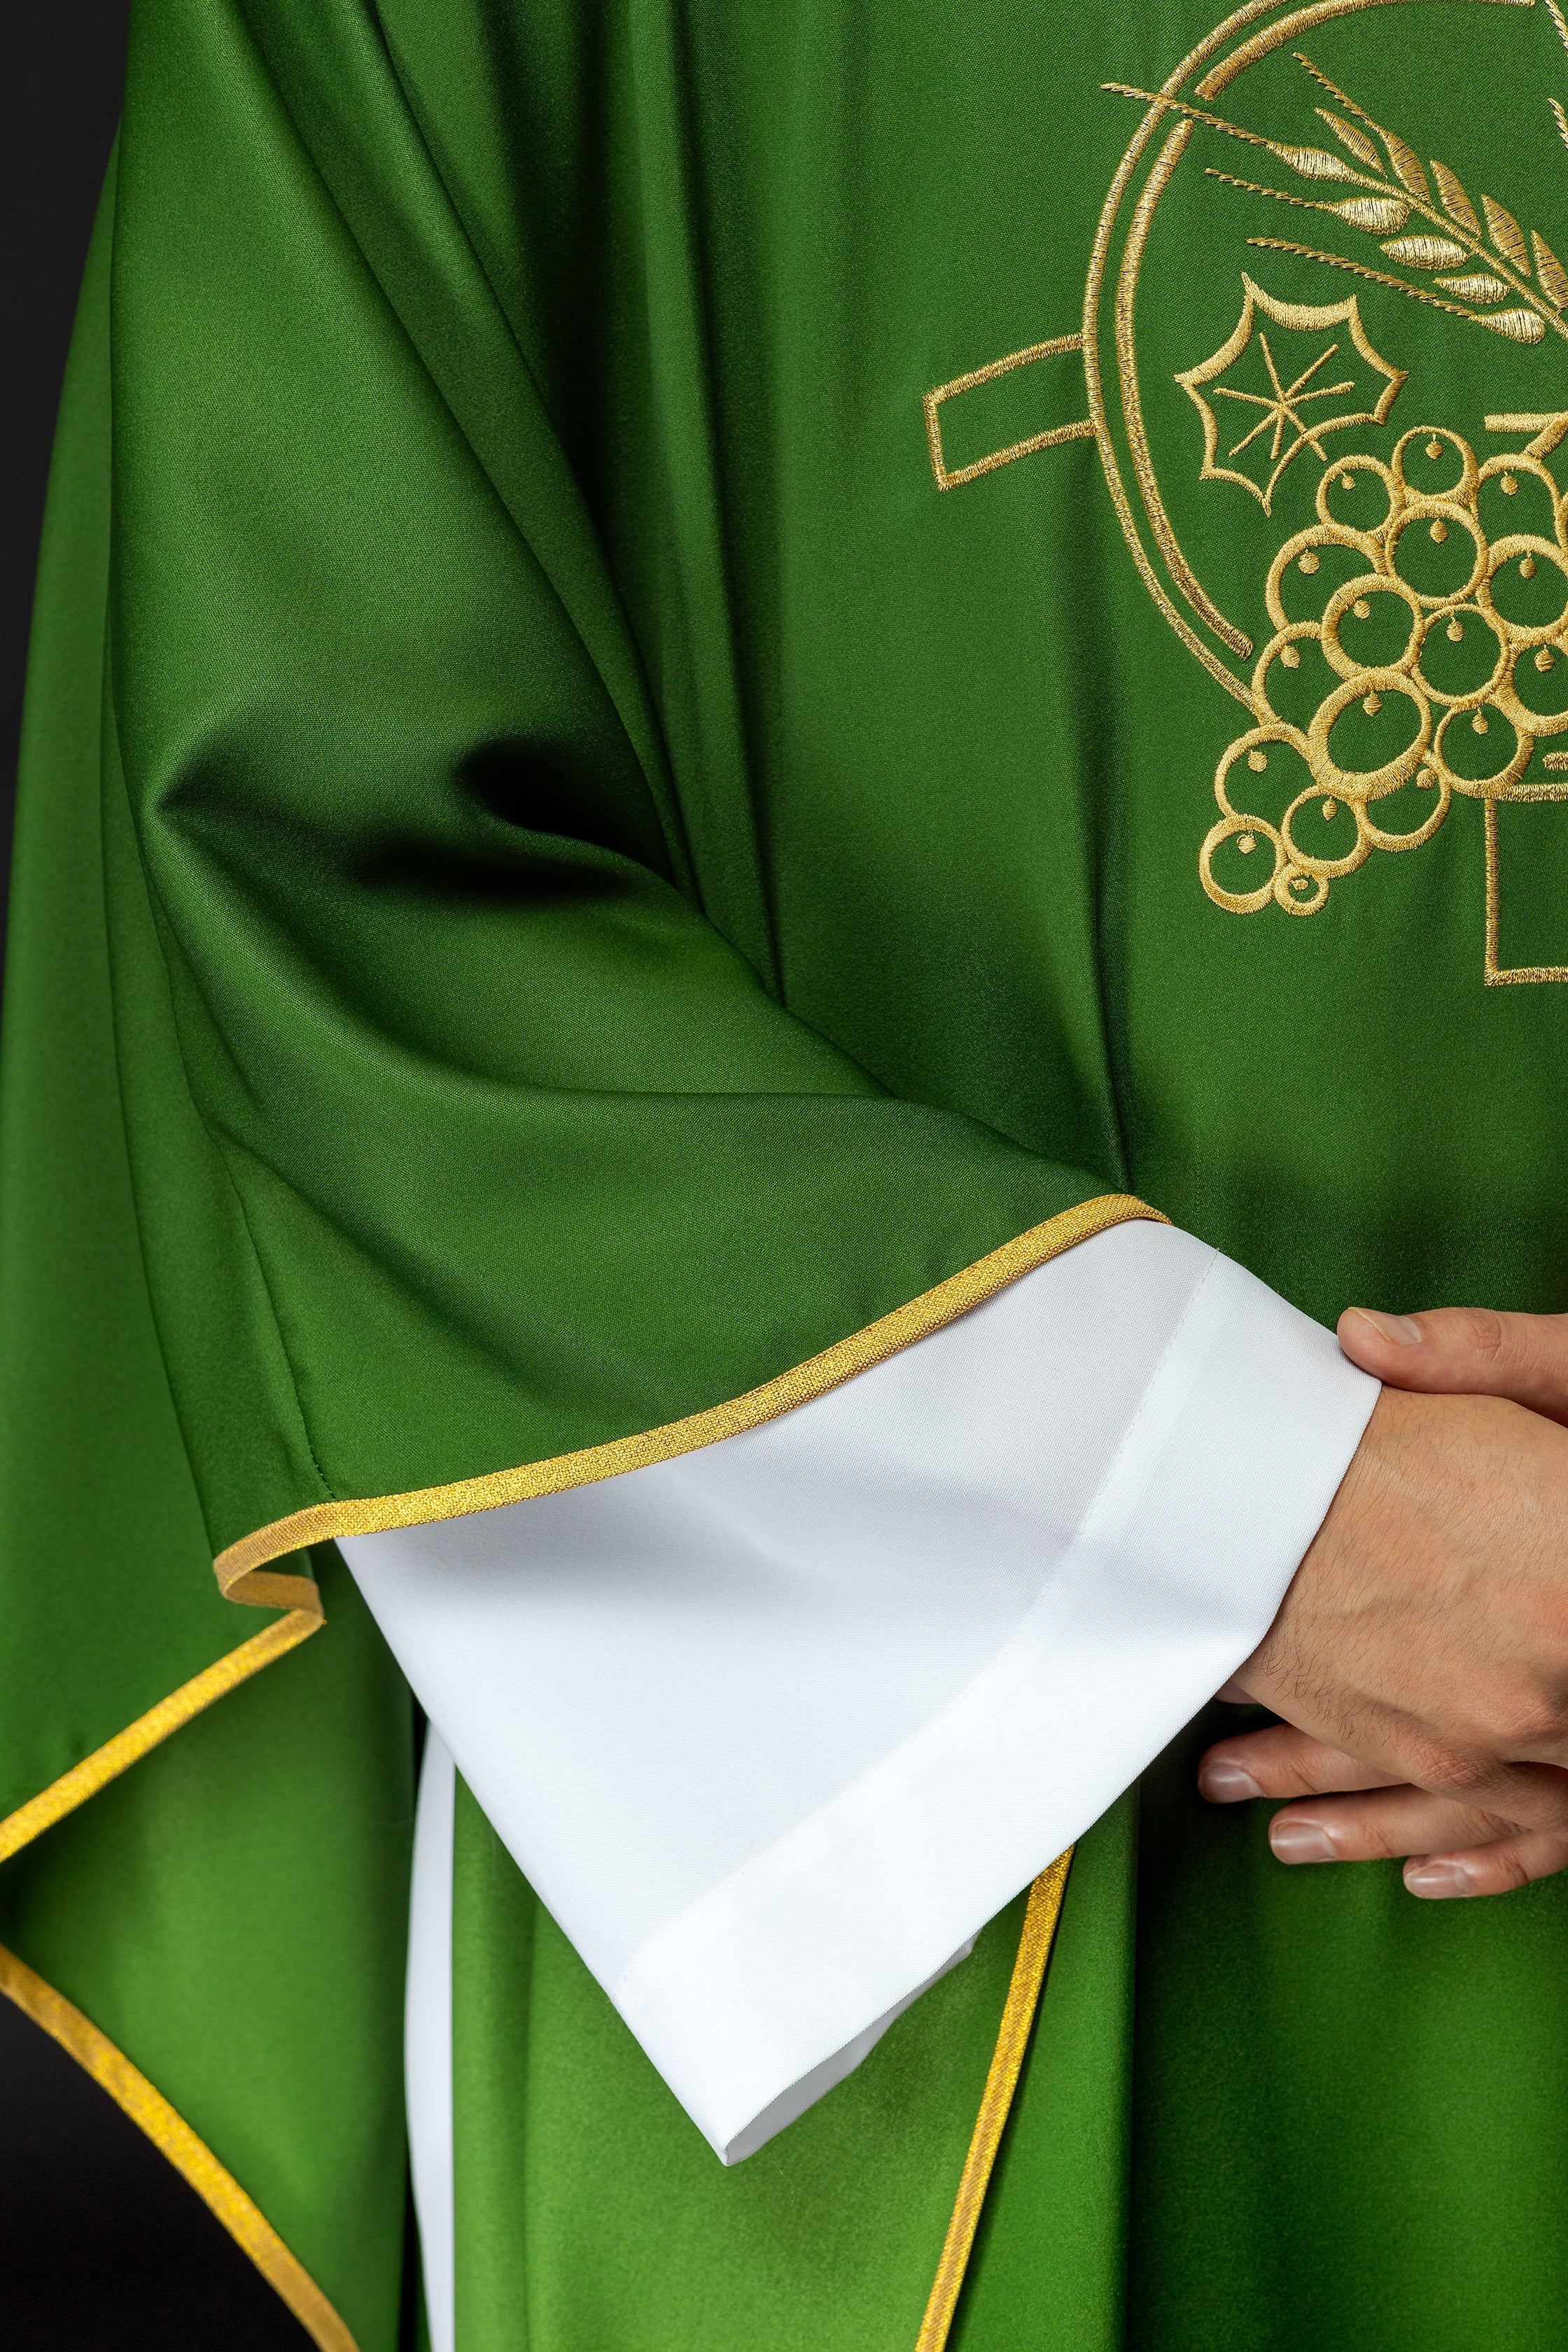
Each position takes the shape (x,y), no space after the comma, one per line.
(1026,1990)
(147,1731)
(190,2156)
(559,1473)
(84,2043)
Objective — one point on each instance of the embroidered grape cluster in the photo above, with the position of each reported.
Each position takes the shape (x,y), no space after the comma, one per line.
(1434,631)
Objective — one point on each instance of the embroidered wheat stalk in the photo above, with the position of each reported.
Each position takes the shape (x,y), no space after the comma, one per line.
(1478,266)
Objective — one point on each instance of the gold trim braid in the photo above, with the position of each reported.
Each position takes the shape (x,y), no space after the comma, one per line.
(81,2039)
(375,1514)
(106,1763)
(173,2138)
(1041,1919)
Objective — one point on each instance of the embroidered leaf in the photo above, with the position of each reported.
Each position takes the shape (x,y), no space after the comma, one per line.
(1549,270)
(1280,383)
(1476,288)
(1426,252)
(1406,162)
(1519,326)
(1354,141)
(1314,163)
(1456,203)
(1506,234)
(1379,214)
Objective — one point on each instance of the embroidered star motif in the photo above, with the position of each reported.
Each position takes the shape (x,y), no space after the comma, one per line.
(1290,414)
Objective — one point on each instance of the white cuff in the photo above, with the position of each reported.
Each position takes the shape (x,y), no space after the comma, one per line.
(774,1727)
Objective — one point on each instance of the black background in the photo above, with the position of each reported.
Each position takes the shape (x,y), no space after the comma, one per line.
(103,2247)
(61,66)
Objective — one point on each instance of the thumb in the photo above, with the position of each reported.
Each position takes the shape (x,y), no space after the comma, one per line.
(1465,1351)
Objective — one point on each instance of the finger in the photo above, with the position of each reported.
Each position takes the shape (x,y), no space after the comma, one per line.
(1376,1826)
(1494,1869)
(1280,1761)
(1464,1351)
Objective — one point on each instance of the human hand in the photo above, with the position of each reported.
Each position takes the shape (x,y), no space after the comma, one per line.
(1447,1542)
(1465,1351)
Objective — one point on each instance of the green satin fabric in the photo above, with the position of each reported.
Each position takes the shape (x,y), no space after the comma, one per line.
(506,1141)
(556,877)
(592,2212)
(1350,2120)
(232,1912)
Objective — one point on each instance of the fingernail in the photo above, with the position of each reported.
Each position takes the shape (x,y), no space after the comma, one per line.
(1300,1841)
(1403,1329)
(1226,1784)
(1438,1878)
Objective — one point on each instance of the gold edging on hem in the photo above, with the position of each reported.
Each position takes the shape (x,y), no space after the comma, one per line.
(128,1747)
(174,2139)
(1039,1932)
(375,1514)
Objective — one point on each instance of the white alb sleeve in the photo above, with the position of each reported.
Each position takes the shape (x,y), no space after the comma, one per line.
(774,1727)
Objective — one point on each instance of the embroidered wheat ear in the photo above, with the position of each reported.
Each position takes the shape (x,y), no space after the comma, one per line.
(1492,275)
(1446,254)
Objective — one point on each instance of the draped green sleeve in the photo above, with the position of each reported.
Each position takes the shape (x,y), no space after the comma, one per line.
(469,1120)
(420,1057)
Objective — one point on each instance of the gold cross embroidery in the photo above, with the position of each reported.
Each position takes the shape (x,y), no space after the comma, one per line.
(946,480)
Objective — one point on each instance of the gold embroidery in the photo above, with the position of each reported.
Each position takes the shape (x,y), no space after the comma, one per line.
(1161,103)
(1508,322)
(173,2136)
(946,480)
(1472,261)
(116,1754)
(1299,880)
(1040,1921)
(1097,421)
(1391,193)
(1284,410)
(1263,45)
(1525,275)
(375,1514)
(1547,430)
(1099,255)
(1496,276)
(1513,976)
(1132,406)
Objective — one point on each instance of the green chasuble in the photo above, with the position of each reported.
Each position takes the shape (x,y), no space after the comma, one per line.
(697,665)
